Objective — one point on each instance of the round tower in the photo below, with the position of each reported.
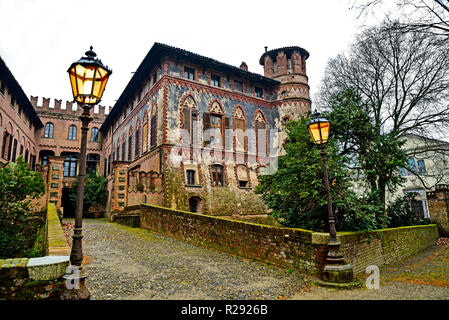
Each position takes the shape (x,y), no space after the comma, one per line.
(288,65)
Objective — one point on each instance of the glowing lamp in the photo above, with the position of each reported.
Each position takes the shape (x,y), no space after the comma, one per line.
(319,128)
(88,78)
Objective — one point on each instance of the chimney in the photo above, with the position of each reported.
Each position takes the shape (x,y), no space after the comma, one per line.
(266,48)
(244,66)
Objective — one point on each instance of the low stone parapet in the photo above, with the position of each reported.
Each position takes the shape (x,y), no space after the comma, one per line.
(38,278)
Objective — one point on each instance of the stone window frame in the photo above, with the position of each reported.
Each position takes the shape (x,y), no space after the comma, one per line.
(130,143)
(138,139)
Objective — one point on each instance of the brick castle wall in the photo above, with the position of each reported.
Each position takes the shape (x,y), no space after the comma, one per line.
(286,247)
(438,202)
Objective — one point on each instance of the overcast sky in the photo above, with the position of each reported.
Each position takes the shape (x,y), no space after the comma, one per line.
(39,39)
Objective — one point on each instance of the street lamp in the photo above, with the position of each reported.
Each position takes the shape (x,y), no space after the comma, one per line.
(336,270)
(88,78)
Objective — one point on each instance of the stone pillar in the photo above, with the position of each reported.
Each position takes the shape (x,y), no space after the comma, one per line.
(54,180)
(438,202)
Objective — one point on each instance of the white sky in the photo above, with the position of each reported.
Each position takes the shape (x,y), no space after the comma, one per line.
(39,39)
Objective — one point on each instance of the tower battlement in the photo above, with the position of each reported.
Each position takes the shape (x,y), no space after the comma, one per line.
(56,106)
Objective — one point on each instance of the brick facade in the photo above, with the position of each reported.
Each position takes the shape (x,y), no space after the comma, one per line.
(438,202)
(169,117)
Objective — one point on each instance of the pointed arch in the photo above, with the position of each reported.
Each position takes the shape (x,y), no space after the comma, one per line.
(240,137)
(189,120)
(260,126)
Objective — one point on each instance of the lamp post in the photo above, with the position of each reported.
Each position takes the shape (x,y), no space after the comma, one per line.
(336,270)
(88,78)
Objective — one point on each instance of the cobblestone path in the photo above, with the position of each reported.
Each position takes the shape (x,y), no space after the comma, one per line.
(423,277)
(133,263)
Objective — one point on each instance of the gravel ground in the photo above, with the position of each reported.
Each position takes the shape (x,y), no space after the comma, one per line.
(423,277)
(133,263)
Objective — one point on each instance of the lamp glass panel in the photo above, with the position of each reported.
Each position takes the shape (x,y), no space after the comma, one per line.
(324,127)
(314,130)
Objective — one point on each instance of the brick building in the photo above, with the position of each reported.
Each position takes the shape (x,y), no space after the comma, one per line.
(188,132)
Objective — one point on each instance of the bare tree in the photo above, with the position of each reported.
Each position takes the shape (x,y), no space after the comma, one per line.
(430,16)
(402,79)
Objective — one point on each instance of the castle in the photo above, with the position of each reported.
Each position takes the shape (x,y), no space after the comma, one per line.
(188,132)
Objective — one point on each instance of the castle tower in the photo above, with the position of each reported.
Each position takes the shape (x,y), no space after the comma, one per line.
(288,65)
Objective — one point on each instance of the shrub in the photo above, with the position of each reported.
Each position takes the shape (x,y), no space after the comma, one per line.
(400,214)
(19,224)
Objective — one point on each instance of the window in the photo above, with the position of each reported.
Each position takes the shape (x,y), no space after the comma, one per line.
(418,208)
(243,184)
(190,121)
(130,145)
(48,133)
(411,164)
(215,134)
(91,163)
(421,166)
(217,175)
(14,151)
(261,134)
(44,154)
(70,165)
(13,101)
(6,146)
(215,80)
(19,111)
(189,73)
(153,131)
(154,78)
(190,175)
(123,149)
(239,129)
(284,93)
(137,145)
(72,132)
(285,120)
(258,92)
(94,134)
(238,86)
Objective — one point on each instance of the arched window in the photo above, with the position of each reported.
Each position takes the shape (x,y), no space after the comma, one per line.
(239,129)
(153,127)
(130,143)
(189,121)
(261,134)
(43,156)
(217,175)
(94,134)
(72,132)
(137,145)
(14,150)
(48,133)
(123,148)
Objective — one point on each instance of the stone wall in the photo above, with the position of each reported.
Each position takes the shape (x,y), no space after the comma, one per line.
(438,202)
(380,247)
(286,247)
(38,278)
